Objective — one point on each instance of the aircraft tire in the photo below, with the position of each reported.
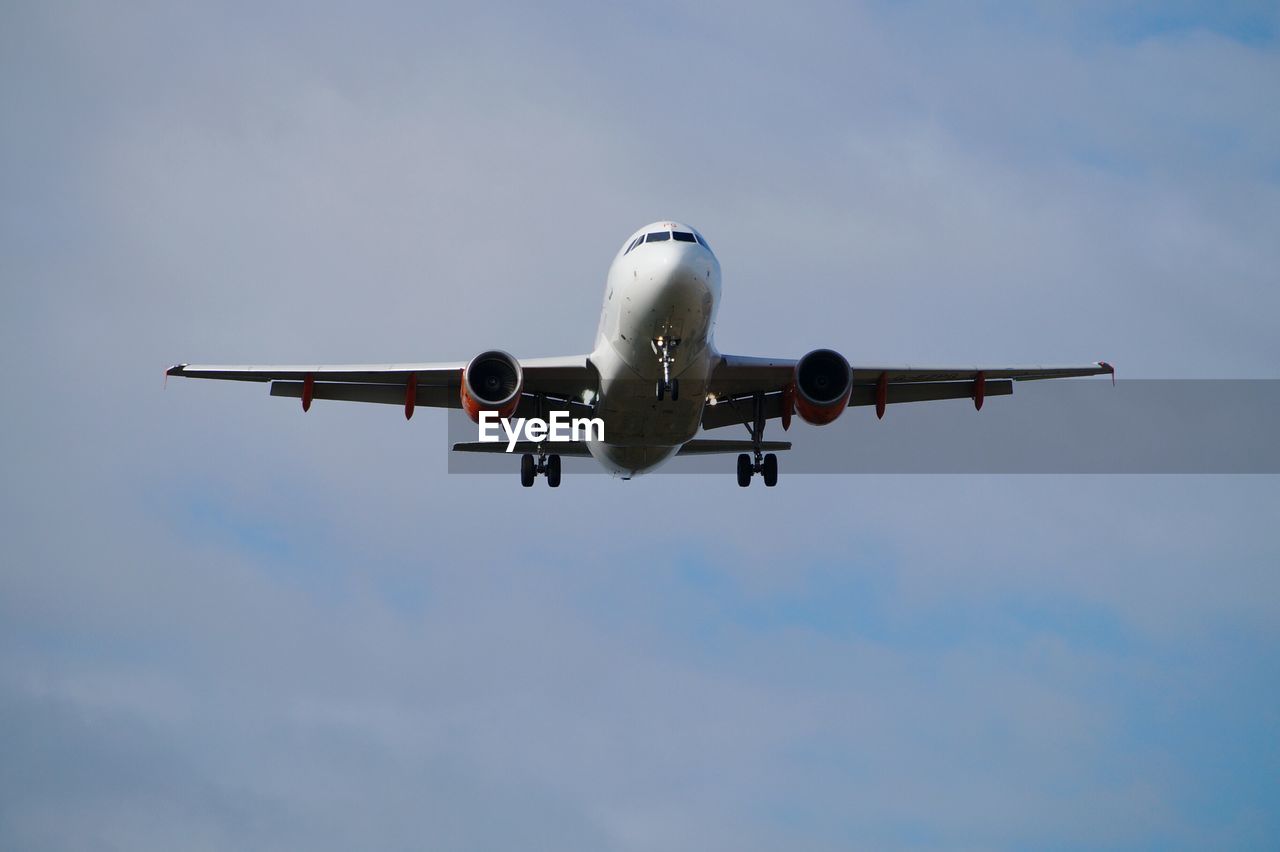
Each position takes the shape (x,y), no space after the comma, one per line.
(770,471)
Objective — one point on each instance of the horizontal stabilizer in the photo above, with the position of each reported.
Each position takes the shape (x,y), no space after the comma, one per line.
(708,446)
(696,447)
(560,448)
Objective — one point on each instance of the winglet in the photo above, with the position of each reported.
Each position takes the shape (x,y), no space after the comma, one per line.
(175,370)
(1110,369)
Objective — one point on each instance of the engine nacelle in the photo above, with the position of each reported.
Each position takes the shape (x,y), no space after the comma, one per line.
(822,386)
(491,381)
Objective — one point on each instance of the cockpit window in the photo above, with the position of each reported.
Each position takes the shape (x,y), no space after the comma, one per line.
(663,236)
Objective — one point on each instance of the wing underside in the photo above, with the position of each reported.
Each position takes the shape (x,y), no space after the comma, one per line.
(738,381)
(738,384)
(430,385)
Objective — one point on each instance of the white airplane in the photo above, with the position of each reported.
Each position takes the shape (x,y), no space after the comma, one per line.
(655,377)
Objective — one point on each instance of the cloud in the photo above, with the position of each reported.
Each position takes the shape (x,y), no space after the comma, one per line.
(225,624)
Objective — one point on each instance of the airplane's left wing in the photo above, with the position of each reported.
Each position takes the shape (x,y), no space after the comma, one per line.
(737,381)
(433,385)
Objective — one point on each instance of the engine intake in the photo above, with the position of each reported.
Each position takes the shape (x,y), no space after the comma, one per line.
(823,384)
(491,381)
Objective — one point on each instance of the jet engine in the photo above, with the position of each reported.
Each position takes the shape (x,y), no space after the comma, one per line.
(822,386)
(491,381)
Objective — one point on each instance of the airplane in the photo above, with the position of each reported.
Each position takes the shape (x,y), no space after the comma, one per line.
(655,378)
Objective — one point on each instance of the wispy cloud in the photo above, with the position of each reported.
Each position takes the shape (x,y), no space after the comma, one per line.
(224,624)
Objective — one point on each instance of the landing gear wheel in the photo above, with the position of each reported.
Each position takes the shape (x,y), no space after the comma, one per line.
(527,470)
(675,389)
(553,471)
(662,390)
(770,470)
(744,470)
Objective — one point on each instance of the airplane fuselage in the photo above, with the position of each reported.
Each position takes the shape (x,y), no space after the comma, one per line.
(664,290)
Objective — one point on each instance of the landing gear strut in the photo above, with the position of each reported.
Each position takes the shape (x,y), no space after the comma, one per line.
(549,465)
(665,349)
(765,464)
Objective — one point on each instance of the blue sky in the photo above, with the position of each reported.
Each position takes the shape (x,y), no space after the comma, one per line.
(223,624)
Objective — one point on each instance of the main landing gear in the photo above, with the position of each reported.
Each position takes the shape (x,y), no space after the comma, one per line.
(665,349)
(549,465)
(765,464)
(545,464)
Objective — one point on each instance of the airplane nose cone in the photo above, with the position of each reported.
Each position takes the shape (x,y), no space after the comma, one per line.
(683,269)
(672,295)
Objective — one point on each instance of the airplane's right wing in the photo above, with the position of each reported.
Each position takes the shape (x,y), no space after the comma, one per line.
(431,385)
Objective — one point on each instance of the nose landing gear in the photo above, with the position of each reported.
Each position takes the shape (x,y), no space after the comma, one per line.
(549,465)
(665,349)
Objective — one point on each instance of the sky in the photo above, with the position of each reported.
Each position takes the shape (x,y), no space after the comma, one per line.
(226,625)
